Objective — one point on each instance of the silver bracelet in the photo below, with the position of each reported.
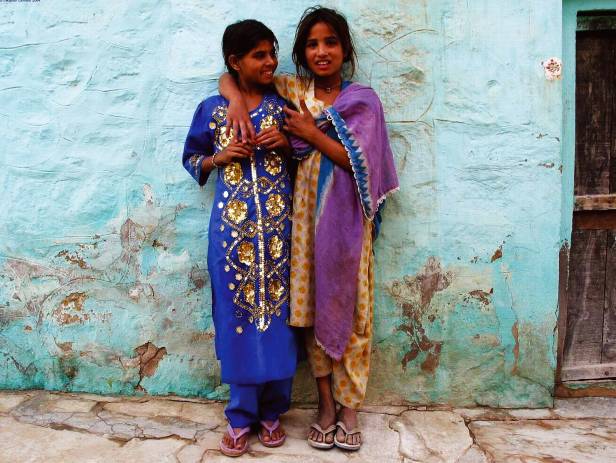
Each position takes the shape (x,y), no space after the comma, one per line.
(214,161)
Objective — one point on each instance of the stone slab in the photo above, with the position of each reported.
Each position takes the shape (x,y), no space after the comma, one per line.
(386,409)
(95,397)
(474,455)
(588,441)
(22,442)
(10,400)
(62,405)
(586,407)
(432,436)
(483,414)
(190,453)
(211,414)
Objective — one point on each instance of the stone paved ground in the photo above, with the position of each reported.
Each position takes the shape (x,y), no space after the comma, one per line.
(37,426)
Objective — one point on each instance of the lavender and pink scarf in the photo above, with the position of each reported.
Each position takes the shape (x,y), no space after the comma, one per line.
(343,199)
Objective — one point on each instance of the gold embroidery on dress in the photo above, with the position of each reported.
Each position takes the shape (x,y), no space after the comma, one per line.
(275,247)
(232,173)
(275,204)
(268,121)
(276,289)
(273,163)
(222,135)
(259,289)
(194,161)
(249,293)
(225,136)
(246,253)
(236,210)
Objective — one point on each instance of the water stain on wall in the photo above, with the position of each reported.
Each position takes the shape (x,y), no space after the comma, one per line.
(149,357)
(414,294)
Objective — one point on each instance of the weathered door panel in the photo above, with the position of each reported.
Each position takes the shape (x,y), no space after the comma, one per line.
(590,339)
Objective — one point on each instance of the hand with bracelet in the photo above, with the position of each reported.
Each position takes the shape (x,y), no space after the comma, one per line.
(234,150)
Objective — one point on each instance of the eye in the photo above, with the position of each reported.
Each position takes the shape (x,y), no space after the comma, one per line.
(331,41)
(311,43)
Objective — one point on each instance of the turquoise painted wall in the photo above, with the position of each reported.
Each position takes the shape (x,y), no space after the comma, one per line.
(103,286)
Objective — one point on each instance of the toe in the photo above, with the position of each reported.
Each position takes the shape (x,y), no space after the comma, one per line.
(240,443)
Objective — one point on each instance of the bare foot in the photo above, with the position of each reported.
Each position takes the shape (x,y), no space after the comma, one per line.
(349,417)
(327,411)
(228,440)
(277,433)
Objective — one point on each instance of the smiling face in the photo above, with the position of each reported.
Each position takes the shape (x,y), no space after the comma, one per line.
(324,53)
(256,68)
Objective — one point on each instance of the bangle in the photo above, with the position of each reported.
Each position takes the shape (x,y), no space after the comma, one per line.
(214,160)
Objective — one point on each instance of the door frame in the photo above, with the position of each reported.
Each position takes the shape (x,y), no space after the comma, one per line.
(570,11)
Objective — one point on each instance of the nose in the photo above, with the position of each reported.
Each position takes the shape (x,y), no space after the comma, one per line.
(321,50)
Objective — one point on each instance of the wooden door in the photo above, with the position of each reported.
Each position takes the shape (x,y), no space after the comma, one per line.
(590,338)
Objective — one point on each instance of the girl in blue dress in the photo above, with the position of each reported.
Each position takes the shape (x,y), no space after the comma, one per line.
(249,239)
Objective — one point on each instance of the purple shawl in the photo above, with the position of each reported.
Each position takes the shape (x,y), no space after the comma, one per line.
(343,200)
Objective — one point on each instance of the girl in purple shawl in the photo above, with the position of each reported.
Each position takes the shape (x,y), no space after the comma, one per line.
(345,171)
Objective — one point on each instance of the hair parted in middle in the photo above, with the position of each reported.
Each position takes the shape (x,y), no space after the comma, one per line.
(241,37)
(320,14)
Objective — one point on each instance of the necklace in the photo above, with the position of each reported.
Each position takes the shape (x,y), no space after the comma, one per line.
(328,89)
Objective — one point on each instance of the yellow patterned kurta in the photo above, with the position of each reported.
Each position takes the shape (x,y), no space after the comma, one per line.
(350,374)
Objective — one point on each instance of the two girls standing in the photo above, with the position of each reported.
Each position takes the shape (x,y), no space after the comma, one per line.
(345,171)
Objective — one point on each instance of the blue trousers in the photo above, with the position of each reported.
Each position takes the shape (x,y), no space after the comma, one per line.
(251,403)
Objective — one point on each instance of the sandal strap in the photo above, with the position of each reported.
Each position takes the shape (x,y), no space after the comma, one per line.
(234,436)
(271,428)
(318,428)
(352,432)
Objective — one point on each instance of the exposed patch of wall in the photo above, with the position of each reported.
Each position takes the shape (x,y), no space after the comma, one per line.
(103,236)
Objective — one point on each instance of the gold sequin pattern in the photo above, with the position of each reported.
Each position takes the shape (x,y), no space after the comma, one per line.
(195,160)
(236,210)
(268,121)
(276,289)
(260,313)
(224,136)
(275,204)
(246,253)
(273,163)
(221,137)
(249,293)
(256,253)
(232,173)
(275,247)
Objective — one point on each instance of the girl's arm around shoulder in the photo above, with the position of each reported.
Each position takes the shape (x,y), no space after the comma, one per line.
(238,118)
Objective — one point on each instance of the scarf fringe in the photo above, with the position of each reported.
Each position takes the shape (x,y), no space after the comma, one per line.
(329,352)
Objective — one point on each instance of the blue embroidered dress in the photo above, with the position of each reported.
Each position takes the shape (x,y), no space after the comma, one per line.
(249,247)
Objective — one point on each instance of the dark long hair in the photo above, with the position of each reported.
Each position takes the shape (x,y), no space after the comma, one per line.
(338,23)
(241,37)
